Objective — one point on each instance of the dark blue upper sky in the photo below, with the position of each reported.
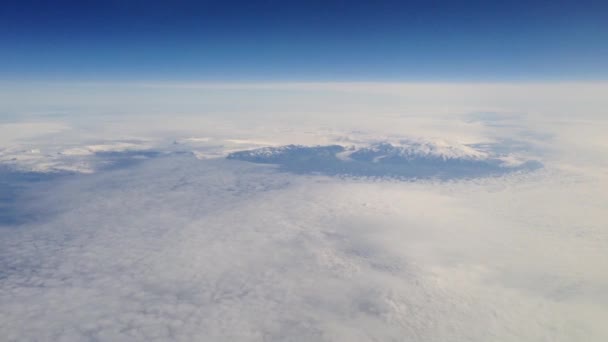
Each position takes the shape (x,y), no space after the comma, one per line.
(304,40)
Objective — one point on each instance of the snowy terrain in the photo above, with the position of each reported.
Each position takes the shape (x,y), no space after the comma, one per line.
(406,160)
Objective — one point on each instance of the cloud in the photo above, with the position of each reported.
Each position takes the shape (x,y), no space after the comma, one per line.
(179,248)
(135,227)
(12,131)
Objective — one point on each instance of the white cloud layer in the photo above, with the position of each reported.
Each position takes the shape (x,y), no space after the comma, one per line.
(154,235)
(183,249)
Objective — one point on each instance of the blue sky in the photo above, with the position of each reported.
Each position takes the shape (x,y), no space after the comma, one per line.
(304,41)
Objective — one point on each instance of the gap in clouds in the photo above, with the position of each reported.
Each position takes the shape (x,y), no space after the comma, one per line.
(411,160)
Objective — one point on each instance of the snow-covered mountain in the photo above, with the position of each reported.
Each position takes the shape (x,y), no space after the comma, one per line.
(417,159)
